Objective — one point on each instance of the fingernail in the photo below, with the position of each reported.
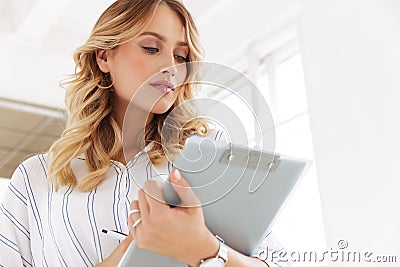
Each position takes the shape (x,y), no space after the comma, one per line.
(177,175)
(159,184)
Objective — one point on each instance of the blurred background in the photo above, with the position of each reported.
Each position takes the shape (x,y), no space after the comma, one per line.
(328,69)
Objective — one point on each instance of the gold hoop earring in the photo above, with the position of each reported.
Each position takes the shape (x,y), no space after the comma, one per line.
(107,79)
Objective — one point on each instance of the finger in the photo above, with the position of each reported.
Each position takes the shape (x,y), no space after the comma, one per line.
(133,217)
(143,205)
(153,195)
(184,190)
(125,243)
(135,211)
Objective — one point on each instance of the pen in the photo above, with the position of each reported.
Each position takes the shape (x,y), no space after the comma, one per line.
(114,234)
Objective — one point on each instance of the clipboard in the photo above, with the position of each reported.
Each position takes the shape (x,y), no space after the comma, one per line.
(241,190)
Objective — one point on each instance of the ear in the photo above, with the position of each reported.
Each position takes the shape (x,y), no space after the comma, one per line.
(101,58)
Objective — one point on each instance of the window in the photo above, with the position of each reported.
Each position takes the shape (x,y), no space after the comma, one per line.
(281,79)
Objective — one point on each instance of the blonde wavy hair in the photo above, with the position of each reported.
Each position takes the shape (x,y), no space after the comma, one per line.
(91,128)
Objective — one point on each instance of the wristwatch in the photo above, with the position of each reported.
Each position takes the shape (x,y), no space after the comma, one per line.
(220,259)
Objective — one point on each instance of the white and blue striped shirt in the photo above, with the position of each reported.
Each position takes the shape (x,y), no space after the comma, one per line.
(42,227)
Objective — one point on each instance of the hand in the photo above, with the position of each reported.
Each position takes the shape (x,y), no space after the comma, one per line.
(178,232)
(116,255)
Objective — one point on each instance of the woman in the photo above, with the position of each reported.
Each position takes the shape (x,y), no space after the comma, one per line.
(58,202)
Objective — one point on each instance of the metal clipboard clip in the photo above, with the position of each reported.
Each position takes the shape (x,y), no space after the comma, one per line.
(253,159)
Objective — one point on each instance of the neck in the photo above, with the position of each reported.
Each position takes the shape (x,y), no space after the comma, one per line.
(132,121)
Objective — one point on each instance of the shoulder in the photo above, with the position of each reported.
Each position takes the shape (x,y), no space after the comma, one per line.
(34,167)
(34,163)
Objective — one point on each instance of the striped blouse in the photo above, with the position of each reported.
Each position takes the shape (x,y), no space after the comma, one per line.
(42,227)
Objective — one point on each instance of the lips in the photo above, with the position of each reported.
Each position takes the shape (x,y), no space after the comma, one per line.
(164,86)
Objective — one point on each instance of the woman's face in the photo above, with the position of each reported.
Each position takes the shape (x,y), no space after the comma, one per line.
(146,68)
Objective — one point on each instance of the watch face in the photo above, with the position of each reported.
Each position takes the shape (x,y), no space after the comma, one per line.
(213,262)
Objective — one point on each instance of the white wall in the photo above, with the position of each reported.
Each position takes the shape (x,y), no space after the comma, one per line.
(352,66)
(32,74)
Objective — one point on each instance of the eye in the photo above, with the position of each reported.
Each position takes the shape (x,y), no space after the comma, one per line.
(180,58)
(151,50)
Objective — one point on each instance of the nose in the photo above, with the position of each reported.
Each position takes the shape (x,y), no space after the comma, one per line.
(172,70)
(169,66)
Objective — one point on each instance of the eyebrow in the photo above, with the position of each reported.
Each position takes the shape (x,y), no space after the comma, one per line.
(162,38)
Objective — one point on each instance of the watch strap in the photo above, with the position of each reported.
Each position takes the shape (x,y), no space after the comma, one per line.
(223,249)
(222,255)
